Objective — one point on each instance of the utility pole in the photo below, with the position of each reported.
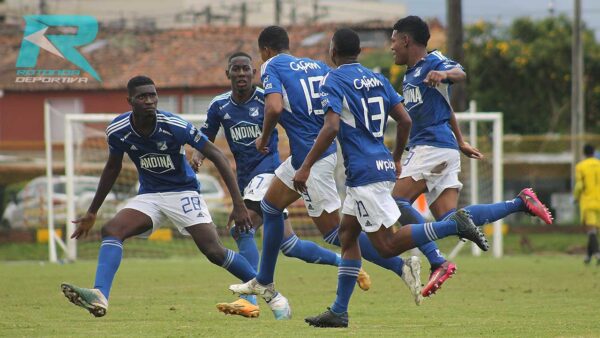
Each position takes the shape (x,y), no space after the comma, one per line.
(456,51)
(244,14)
(277,12)
(577,91)
(43,7)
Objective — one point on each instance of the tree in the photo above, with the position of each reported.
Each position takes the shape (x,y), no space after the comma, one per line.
(524,72)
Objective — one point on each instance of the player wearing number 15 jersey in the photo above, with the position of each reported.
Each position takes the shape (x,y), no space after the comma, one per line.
(292,98)
(154,140)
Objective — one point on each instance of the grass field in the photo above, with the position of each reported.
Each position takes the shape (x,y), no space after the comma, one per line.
(518,296)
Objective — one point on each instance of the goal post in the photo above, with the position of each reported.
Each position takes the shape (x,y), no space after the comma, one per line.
(469,122)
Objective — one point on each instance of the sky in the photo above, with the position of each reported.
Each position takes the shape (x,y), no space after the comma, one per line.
(505,11)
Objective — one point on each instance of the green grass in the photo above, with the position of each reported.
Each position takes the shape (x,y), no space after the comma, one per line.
(141,248)
(518,296)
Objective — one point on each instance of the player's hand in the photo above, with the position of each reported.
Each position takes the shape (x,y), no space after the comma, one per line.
(434,78)
(398,165)
(196,160)
(84,224)
(300,179)
(261,145)
(241,217)
(470,151)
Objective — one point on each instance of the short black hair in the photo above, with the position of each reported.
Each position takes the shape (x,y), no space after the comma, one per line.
(346,42)
(238,54)
(274,37)
(139,80)
(415,27)
(588,150)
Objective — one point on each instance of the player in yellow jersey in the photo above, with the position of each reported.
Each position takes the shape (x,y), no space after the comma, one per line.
(587,193)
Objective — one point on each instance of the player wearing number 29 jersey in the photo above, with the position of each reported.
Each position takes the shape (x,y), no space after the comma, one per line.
(297,80)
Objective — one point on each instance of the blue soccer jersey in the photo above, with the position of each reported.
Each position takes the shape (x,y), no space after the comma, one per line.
(242,124)
(429,107)
(297,80)
(363,99)
(159,158)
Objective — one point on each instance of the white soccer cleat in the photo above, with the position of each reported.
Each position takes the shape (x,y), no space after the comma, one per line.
(253,287)
(280,307)
(411,275)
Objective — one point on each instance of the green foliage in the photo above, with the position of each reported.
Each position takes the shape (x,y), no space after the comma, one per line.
(524,70)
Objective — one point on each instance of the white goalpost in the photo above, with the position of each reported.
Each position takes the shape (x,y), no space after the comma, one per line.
(470,121)
(85,153)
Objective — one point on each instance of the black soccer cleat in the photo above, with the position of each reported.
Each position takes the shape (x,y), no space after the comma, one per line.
(328,319)
(468,230)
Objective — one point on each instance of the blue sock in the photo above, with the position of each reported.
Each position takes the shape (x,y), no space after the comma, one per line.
(238,266)
(429,232)
(368,251)
(308,251)
(109,259)
(446,215)
(247,248)
(488,213)
(410,215)
(347,274)
(273,236)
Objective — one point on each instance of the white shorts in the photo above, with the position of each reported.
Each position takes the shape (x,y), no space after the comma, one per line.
(322,194)
(257,187)
(373,205)
(439,167)
(182,208)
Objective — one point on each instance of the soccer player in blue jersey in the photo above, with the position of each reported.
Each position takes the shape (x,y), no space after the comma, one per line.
(292,98)
(240,112)
(357,103)
(154,140)
(433,162)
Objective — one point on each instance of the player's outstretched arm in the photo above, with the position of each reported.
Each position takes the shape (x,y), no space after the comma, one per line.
(464,146)
(273,109)
(326,136)
(403,125)
(107,180)
(240,213)
(454,75)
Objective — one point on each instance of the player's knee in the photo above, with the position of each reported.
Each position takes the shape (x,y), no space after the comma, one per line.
(385,249)
(110,230)
(269,208)
(215,254)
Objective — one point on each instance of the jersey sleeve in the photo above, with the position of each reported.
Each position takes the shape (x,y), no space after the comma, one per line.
(114,144)
(394,96)
(448,64)
(194,137)
(270,78)
(331,95)
(211,126)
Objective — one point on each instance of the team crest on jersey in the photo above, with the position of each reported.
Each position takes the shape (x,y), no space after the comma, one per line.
(157,163)
(412,96)
(161,145)
(245,133)
(254,111)
(417,72)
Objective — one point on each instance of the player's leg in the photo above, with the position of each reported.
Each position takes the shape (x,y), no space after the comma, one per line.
(591,221)
(126,223)
(389,243)
(526,201)
(422,166)
(337,314)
